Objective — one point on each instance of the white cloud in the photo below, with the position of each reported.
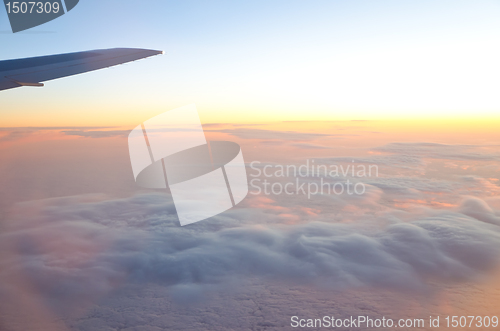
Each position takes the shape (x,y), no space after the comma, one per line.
(83,250)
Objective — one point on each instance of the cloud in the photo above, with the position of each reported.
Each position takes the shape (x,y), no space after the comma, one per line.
(442,151)
(79,248)
(98,134)
(272,142)
(78,251)
(479,210)
(310,146)
(209,125)
(409,162)
(15,135)
(475,185)
(425,185)
(54,128)
(247,133)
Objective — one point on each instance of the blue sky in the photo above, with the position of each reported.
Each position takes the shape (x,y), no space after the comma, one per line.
(274,59)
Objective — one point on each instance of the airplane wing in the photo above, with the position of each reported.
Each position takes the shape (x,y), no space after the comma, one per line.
(35,70)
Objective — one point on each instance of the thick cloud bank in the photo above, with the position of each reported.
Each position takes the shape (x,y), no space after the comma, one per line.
(76,249)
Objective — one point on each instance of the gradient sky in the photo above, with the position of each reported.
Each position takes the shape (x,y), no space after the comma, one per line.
(261,61)
(408,86)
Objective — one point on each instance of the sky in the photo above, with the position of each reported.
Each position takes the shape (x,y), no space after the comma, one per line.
(407,87)
(267,61)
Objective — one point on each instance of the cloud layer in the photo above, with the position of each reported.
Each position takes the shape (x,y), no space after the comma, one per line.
(79,248)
